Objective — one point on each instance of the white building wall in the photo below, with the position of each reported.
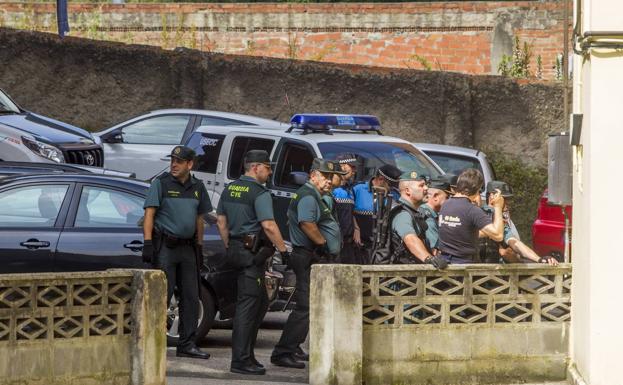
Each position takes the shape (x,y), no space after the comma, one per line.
(597,314)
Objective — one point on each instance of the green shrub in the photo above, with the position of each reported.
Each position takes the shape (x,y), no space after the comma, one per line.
(528,183)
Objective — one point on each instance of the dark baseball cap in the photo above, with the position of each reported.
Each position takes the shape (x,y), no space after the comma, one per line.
(257,156)
(327,166)
(183,153)
(347,158)
(442,182)
(506,190)
(391,173)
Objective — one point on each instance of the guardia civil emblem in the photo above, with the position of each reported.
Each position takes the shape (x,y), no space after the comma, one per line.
(177,150)
(413,174)
(330,166)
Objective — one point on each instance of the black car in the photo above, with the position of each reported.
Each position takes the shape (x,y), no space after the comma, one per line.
(85,222)
(18,168)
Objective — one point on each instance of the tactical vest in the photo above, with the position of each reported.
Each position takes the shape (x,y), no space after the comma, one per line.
(398,251)
(302,192)
(243,194)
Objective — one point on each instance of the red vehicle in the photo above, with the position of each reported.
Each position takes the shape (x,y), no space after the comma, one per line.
(548,230)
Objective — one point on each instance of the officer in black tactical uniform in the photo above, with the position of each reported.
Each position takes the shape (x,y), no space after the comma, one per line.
(173,234)
(408,226)
(385,177)
(247,226)
(315,237)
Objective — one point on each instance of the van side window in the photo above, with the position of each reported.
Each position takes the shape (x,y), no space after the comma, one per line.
(293,157)
(208,148)
(239,147)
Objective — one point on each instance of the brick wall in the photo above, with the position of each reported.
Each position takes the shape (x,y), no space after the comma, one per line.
(467,37)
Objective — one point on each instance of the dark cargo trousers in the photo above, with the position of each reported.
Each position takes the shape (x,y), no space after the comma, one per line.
(251,303)
(180,267)
(297,327)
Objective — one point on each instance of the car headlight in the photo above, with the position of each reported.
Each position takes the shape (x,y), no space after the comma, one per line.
(44,150)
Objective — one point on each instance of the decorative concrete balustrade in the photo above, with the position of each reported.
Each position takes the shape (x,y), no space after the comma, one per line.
(412,324)
(83,328)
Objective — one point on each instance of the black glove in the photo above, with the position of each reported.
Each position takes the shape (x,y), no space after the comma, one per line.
(285,257)
(322,253)
(436,261)
(148,251)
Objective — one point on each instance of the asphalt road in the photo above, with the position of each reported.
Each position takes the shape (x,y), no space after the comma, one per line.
(188,371)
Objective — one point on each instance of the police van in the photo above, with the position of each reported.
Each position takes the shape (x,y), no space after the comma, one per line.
(220,152)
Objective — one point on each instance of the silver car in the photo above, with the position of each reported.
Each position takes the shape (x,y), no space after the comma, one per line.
(139,145)
(453,159)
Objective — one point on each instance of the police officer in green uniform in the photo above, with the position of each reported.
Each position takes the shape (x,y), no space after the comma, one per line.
(248,229)
(315,237)
(173,233)
(438,192)
(408,226)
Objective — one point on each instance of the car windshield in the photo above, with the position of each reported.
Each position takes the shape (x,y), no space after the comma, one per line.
(372,155)
(6,105)
(454,164)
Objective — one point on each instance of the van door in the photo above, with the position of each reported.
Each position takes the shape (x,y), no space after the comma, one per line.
(207,147)
(291,156)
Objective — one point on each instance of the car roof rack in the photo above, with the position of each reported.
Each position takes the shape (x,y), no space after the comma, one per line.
(330,123)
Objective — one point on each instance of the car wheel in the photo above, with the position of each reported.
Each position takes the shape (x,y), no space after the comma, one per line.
(207,311)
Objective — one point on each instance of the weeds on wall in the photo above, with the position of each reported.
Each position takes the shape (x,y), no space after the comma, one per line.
(517,65)
(293,46)
(528,183)
(325,51)
(421,60)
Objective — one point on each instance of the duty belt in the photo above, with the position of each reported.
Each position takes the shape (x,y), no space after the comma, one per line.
(177,240)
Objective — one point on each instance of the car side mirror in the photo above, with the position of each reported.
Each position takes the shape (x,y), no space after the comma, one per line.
(298,178)
(114,137)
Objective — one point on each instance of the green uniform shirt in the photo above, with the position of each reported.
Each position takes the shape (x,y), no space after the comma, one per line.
(177,205)
(246,203)
(432,221)
(403,222)
(309,210)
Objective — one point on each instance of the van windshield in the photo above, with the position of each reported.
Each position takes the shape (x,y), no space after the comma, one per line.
(372,155)
(6,105)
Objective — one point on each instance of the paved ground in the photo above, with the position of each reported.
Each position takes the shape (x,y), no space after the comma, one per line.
(188,371)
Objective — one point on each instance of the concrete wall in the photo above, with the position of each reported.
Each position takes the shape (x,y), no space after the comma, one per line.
(105,328)
(597,337)
(475,324)
(95,84)
(466,36)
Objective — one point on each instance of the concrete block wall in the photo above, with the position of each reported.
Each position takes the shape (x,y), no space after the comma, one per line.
(467,37)
(413,324)
(105,328)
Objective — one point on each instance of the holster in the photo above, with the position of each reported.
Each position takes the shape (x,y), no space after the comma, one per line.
(254,242)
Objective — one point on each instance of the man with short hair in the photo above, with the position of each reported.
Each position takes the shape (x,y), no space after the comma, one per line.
(315,237)
(345,205)
(462,220)
(438,192)
(385,177)
(247,226)
(173,232)
(408,235)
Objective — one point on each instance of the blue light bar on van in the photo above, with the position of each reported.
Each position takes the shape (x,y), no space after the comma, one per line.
(328,122)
